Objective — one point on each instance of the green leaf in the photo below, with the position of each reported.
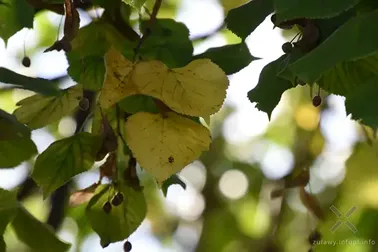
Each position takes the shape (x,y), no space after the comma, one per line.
(14,15)
(15,143)
(172,180)
(64,159)
(353,40)
(138,103)
(362,103)
(345,77)
(136,4)
(37,111)
(37,85)
(168,42)
(3,246)
(245,19)
(35,234)
(231,58)
(86,59)
(122,220)
(291,9)
(270,87)
(90,72)
(286,72)
(8,208)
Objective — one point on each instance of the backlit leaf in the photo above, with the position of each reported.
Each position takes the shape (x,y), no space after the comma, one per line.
(267,94)
(345,77)
(165,145)
(245,19)
(362,103)
(35,234)
(168,42)
(137,4)
(14,15)
(15,143)
(37,111)
(117,83)
(231,58)
(197,89)
(64,159)
(122,220)
(8,208)
(86,59)
(291,9)
(353,40)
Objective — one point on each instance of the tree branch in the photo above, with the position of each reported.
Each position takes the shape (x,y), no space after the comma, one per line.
(59,198)
(114,16)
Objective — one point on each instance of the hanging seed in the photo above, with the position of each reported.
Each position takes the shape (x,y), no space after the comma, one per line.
(26,62)
(127,246)
(287,47)
(316,101)
(117,199)
(107,207)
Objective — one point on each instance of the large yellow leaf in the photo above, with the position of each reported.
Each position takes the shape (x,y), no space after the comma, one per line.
(117,79)
(198,89)
(163,145)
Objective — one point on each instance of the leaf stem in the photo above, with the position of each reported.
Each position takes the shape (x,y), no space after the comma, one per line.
(118,114)
(150,24)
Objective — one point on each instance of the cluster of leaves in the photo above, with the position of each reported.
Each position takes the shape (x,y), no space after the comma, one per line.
(150,92)
(336,50)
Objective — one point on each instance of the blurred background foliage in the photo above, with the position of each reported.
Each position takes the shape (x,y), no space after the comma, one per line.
(226,205)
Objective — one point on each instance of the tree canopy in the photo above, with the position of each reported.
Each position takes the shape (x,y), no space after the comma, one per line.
(142,102)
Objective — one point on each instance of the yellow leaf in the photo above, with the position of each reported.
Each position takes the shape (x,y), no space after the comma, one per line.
(38,111)
(117,83)
(165,145)
(198,89)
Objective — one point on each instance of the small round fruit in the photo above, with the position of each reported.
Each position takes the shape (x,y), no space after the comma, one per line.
(107,207)
(117,199)
(127,246)
(84,104)
(287,47)
(26,62)
(316,101)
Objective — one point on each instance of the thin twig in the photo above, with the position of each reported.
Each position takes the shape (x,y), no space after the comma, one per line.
(150,24)
(118,114)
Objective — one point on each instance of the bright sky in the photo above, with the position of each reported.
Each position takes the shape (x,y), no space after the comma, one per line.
(245,123)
